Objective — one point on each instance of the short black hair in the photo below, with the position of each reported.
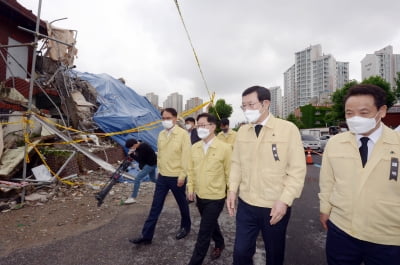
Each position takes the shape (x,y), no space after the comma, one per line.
(170,110)
(191,119)
(224,121)
(262,93)
(210,118)
(376,92)
(130,142)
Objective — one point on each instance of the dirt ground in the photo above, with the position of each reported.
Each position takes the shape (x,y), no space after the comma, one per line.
(68,211)
(70,229)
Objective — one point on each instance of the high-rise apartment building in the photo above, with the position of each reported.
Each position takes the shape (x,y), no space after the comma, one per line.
(312,78)
(342,74)
(381,63)
(153,98)
(174,100)
(304,72)
(194,102)
(291,98)
(323,76)
(275,106)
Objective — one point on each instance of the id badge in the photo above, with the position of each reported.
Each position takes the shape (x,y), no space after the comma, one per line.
(394,168)
(275,152)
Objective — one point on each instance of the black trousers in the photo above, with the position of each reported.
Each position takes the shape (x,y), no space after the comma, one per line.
(250,220)
(343,249)
(209,228)
(163,185)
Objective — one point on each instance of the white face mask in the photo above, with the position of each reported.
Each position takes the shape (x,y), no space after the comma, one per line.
(252,115)
(167,124)
(360,125)
(188,126)
(203,133)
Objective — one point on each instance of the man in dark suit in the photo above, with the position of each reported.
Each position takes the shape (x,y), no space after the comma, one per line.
(190,125)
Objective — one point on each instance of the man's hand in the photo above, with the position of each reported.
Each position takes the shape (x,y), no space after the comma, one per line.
(131,151)
(278,211)
(180,182)
(190,196)
(323,218)
(230,202)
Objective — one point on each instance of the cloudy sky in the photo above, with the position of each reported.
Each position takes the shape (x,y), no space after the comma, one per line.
(240,43)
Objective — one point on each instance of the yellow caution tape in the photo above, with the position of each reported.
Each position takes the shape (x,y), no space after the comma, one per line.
(211,96)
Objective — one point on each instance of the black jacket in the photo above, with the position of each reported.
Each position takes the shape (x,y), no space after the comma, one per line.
(194,138)
(144,155)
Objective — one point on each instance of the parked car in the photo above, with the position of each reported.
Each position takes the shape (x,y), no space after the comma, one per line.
(311,142)
(323,140)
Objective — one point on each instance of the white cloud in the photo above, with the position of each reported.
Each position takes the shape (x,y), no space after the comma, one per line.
(239,43)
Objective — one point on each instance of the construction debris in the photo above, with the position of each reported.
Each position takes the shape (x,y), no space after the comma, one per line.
(62,132)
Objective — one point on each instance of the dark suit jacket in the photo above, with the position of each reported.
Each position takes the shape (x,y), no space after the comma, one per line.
(194,138)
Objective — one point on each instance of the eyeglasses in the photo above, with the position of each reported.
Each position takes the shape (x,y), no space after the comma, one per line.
(249,105)
(203,125)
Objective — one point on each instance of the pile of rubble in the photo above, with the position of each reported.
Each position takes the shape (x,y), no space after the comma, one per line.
(87,185)
(48,139)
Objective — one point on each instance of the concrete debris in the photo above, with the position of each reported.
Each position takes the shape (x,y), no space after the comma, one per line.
(41,173)
(96,185)
(36,197)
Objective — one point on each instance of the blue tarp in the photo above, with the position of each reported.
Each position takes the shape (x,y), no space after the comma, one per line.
(121,108)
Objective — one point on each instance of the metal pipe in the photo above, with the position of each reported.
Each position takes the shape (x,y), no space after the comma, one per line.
(65,164)
(58,19)
(31,180)
(18,45)
(37,34)
(7,115)
(54,104)
(27,128)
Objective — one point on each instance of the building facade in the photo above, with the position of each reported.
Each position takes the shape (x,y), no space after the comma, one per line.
(304,72)
(312,79)
(342,74)
(275,106)
(290,99)
(174,100)
(323,76)
(192,103)
(153,98)
(381,63)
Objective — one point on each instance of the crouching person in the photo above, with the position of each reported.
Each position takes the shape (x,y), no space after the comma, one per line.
(147,159)
(207,180)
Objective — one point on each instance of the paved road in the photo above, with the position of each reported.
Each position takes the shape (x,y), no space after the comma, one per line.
(109,243)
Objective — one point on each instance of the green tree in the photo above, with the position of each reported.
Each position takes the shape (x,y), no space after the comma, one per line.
(338,95)
(224,110)
(379,81)
(330,118)
(397,88)
(307,115)
(314,116)
(337,113)
(292,118)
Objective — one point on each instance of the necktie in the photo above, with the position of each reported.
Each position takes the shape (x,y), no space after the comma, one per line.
(364,150)
(258,129)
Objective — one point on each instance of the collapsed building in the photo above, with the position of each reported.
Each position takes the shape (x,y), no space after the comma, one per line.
(51,114)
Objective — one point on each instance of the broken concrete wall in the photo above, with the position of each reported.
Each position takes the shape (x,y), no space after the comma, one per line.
(82,116)
(110,154)
(58,51)
(14,131)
